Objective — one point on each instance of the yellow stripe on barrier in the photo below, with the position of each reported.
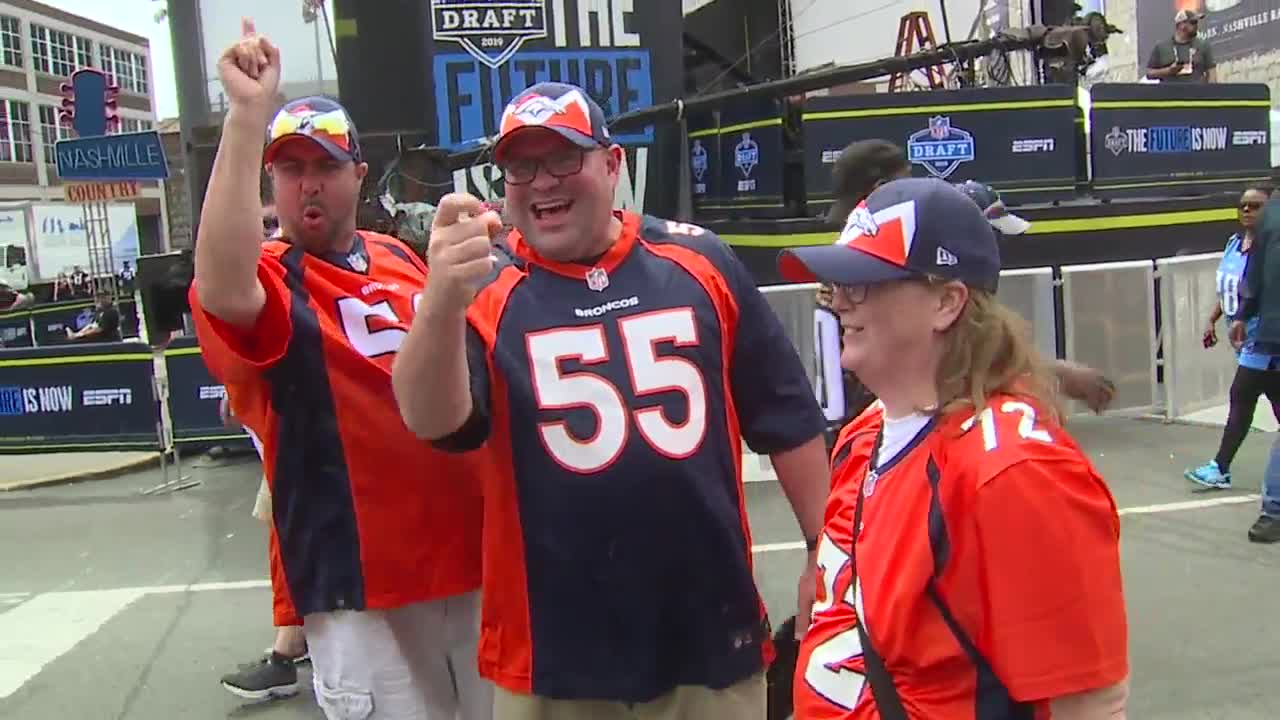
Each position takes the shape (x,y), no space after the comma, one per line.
(113,444)
(1157,104)
(76,360)
(1039,227)
(927,109)
(178,352)
(770,122)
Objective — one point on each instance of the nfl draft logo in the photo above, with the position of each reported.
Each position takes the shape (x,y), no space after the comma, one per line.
(698,161)
(490,30)
(940,148)
(746,155)
(597,279)
(1116,141)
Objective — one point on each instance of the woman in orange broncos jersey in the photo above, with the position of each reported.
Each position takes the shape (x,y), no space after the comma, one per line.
(969,566)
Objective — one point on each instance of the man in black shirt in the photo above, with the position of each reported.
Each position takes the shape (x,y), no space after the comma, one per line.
(106,322)
(1183,58)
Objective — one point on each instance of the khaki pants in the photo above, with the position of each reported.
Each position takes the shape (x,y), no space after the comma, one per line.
(744,701)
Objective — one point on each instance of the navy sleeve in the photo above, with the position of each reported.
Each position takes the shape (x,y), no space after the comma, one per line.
(475,430)
(777,407)
(1251,289)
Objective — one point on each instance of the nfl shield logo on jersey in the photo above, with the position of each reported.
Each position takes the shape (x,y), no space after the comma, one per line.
(357,262)
(597,279)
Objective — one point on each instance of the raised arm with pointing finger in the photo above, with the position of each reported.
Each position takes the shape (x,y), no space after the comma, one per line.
(229,240)
(431,376)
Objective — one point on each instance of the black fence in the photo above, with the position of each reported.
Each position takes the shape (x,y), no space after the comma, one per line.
(103,396)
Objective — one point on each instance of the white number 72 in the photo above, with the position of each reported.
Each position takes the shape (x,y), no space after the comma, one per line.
(1026,426)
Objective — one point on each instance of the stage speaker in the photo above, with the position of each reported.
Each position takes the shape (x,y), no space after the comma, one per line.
(162,282)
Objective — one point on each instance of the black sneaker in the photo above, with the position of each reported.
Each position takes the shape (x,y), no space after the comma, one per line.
(272,677)
(1265,530)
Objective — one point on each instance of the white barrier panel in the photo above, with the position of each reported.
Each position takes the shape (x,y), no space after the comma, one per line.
(1195,378)
(794,305)
(1109,323)
(1030,293)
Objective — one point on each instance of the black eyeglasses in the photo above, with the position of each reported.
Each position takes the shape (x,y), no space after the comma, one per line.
(561,164)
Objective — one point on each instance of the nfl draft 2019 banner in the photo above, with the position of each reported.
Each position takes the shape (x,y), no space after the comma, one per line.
(627,55)
(1235,28)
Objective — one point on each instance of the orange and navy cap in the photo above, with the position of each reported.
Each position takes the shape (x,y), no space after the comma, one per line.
(905,228)
(559,107)
(319,119)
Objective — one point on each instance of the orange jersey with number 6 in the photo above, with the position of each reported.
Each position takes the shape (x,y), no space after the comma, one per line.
(365,515)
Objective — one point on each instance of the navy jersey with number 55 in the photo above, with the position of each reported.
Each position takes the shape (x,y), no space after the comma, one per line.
(615,397)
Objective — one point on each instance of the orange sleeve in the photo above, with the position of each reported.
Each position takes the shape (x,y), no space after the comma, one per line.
(234,354)
(1054,602)
(283,613)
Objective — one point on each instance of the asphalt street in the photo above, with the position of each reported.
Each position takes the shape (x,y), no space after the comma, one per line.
(115,605)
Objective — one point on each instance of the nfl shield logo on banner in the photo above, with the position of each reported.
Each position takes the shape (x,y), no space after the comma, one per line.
(941,147)
(490,31)
(597,279)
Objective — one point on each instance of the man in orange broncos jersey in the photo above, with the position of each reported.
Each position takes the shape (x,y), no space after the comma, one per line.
(969,564)
(375,537)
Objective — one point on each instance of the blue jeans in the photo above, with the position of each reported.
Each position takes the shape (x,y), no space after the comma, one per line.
(1271,482)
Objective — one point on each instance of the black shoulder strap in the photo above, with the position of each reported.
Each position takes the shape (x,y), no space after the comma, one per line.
(888,702)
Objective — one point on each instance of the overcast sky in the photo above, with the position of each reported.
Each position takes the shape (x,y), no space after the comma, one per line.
(138,17)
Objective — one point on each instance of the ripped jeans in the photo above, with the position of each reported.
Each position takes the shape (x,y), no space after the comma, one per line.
(416,662)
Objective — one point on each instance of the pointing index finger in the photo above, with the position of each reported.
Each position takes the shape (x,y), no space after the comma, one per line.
(453,205)
(247,28)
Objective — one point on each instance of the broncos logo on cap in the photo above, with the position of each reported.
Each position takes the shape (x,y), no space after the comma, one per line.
(568,110)
(862,219)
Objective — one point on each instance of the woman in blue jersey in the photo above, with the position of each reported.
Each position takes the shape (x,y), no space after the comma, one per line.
(1257,373)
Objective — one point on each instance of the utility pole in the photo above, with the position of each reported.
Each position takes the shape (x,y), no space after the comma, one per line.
(193,100)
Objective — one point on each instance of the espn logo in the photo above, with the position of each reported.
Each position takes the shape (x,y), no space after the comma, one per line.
(107,397)
(212,392)
(1034,145)
(830,156)
(1249,137)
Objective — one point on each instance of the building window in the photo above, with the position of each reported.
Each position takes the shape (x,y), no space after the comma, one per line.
(126,69)
(59,53)
(52,129)
(15,131)
(11,41)
(133,125)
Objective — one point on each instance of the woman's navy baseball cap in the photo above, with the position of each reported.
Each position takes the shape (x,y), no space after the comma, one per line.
(906,228)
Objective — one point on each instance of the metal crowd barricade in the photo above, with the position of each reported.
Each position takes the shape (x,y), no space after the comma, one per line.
(1031,293)
(794,305)
(1195,378)
(1108,312)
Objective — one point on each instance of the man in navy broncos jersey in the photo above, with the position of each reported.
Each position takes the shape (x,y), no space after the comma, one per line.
(612,363)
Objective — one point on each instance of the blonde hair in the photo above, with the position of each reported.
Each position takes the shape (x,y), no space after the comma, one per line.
(988,350)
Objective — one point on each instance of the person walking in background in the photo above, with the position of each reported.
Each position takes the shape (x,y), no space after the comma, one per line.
(1257,373)
(1259,319)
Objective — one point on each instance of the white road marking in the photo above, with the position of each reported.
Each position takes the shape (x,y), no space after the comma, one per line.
(1136,510)
(39,631)
(46,626)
